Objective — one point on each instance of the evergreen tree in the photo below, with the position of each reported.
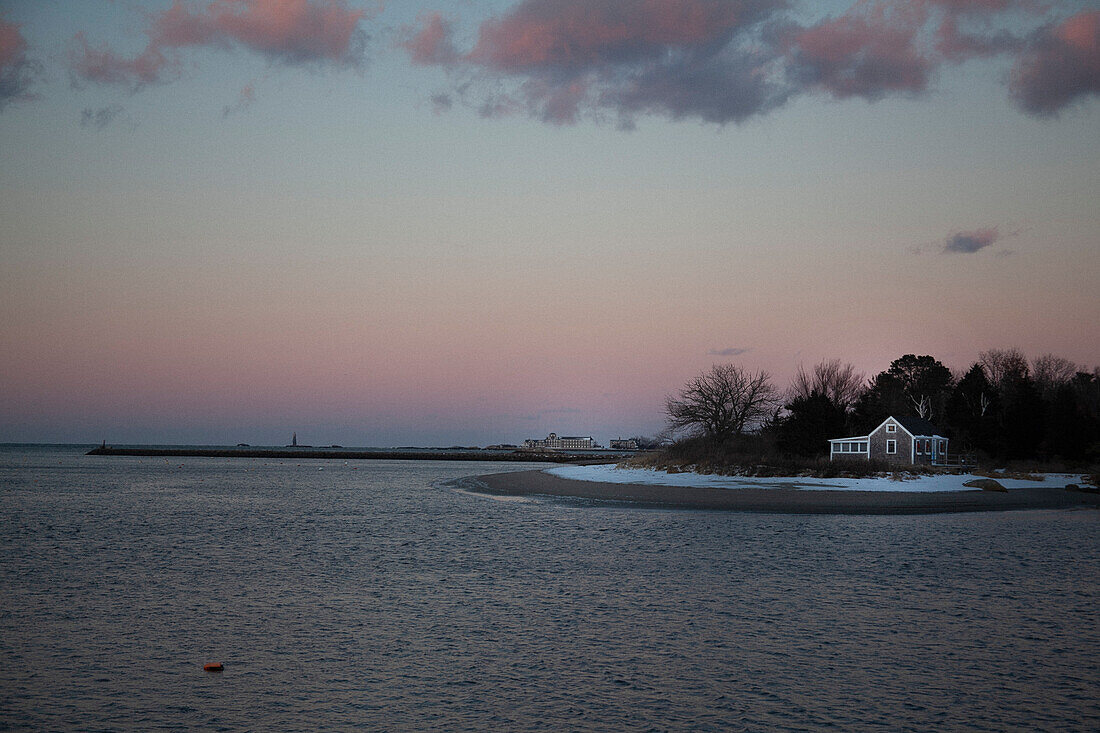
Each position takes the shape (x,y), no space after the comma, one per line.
(884,397)
(971,411)
(925,382)
(809,424)
(1021,419)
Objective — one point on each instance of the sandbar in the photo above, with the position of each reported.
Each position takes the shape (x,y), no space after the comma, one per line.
(781,499)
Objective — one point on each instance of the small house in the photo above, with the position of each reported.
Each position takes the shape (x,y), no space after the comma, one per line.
(903,440)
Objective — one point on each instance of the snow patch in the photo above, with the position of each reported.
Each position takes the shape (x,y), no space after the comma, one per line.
(611,474)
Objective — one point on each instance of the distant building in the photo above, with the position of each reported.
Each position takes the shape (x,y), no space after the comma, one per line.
(565,442)
(906,440)
(620,444)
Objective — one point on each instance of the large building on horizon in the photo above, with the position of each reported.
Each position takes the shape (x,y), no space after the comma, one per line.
(565,442)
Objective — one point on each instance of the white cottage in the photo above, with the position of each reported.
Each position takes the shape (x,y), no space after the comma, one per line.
(906,440)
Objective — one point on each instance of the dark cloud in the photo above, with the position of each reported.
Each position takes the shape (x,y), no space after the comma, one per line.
(972,241)
(295,32)
(99,118)
(728,352)
(17,71)
(1060,66)
(571,58)
(726,88)
(441,103)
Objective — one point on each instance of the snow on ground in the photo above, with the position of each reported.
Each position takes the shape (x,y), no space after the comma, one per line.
(611,474)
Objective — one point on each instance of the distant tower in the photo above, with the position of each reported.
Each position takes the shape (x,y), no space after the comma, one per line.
(294,440)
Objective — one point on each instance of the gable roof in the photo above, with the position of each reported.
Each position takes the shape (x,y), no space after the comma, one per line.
(917,425)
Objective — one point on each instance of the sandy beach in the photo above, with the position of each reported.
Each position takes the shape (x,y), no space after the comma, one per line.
(780,498)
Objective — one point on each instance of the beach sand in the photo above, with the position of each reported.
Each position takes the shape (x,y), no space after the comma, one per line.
(781,499)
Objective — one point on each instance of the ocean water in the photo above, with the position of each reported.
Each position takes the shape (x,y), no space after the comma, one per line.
(371,595)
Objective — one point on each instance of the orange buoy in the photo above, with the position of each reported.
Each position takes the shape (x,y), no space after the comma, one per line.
(213,667)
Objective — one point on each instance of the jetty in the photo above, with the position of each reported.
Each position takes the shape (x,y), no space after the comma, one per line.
(418,454)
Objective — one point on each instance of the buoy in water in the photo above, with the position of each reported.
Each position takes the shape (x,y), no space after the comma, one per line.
(213,667)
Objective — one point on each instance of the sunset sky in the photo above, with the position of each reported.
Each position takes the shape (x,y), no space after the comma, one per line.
(472,222)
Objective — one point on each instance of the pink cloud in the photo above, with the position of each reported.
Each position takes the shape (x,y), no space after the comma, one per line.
(726,61)
(104,66)
(432,43)
(17,71)
(287,31)
(1060,66)
(869,51)
(12,44)
(964,29)
(560,104)
(582,33)
(570,58)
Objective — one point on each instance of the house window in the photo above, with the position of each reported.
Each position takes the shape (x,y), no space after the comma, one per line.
(891,446)
(928,446)
(862,447)
(917,446)
(891,428)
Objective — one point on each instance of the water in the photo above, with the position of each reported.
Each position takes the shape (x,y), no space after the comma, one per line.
(370,595)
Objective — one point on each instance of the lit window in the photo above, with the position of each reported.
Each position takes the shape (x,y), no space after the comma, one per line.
(891,446)
(918,445)
(891,428)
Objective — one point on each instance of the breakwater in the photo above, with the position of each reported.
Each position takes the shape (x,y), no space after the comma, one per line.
(350,454)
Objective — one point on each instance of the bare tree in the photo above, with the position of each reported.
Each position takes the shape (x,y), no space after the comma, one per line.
(1003,366)
(724,402)
(922,406)
(1051,372)
(840,382)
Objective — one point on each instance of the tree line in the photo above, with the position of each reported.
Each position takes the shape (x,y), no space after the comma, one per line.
(1004,407)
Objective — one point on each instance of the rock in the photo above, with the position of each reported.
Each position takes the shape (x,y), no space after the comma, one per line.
(985,484)
(1085,489)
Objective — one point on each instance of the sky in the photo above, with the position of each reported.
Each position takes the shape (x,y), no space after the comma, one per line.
(465,223)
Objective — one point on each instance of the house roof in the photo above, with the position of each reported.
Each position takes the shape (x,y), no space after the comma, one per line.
(917,425)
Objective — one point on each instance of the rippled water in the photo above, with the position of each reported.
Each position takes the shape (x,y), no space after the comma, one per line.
(370,595)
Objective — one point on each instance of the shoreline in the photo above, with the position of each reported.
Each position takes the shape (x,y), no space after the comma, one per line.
(346,454)
(780,500)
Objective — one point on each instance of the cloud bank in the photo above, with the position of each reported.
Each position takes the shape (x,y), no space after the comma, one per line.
(726,61)
(291,32)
